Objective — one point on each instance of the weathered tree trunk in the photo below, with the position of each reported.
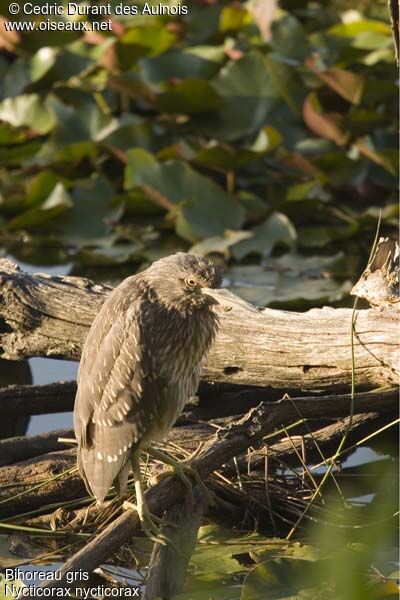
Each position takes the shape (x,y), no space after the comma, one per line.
(50,316)
(221,448)
(37,399)
(167,568)
(45,479)
(41,468)
(17,449)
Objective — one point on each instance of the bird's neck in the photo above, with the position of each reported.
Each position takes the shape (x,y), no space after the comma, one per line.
(179,342)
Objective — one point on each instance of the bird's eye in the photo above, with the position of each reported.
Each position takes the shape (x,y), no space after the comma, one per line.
(191,282)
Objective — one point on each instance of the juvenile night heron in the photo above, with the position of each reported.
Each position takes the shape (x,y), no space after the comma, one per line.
(140,363)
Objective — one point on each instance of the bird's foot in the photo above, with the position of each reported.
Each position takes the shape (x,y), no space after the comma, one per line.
(150,523)
(181,469)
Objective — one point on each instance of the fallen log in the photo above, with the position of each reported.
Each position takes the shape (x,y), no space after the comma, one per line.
(167,567)
(189,432)
(17,449)
(37,399)
(220,449)
(44,480)
(288,452)
(212,401)
(188,438)
(50,316)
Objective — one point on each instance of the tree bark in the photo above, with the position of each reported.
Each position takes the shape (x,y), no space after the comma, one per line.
(42,468)
(279,454)
(221,448)
(42,479)
(50,316)
(17,449)
(37,399)
(167,568)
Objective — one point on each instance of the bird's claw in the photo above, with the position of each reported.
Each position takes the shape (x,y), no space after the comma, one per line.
(180,468)
(179,471)
(195,474)
(150,524)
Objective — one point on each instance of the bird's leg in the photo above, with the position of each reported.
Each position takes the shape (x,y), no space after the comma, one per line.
(180,468)
(147,520)
(176,466)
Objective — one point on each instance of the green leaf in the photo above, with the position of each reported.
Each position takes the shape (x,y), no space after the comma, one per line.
(40,187)
(289,40)
(290,280)
(57,202)
(320,235)
(137,42)
(108,256)
(9,135)
(201,62)
(252,88)
(41,62)
(136,202)
(309,190)
(126,134)
(27,110)
(9,588)
(220,244)
(233,18)
(21,154)
(91,212)
(276,229)
(190,96)
(248,95)
(197,589)
(278,579)
(79,125)
(15,78)
(360,27)
(199,207)
(49,65)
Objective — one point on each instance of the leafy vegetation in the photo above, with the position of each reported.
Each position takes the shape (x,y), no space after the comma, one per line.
(215,130)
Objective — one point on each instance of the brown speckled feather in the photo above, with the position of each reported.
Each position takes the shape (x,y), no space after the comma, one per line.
(140,363)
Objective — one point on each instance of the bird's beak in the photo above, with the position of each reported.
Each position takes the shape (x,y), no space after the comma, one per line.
(228,300)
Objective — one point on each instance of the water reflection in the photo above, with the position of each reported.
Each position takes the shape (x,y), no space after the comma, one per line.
(46,370)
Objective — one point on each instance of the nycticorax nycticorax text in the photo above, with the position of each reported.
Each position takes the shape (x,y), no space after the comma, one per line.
(140,363)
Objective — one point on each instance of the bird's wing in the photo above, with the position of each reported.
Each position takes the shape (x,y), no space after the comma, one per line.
(115,373)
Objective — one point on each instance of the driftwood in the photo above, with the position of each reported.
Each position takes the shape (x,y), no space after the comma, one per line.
(27,477)
(379,283)
(222,447)
(212,401)
(50,316)
(37,399)
(17,449)
(168,564)
(283,453)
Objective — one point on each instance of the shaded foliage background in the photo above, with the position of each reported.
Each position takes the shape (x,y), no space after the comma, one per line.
(218,131)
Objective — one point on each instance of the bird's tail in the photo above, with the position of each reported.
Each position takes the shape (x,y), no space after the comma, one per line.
(106,463)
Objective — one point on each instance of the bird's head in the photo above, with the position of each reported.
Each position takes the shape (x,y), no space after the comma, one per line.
(187,282)
(179,281)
